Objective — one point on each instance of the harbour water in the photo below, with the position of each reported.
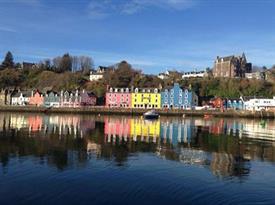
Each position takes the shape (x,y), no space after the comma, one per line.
(86,159)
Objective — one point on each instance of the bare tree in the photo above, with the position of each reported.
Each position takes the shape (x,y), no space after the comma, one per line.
(75,63)
(86,63)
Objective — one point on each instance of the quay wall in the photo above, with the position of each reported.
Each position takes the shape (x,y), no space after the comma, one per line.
(124,111)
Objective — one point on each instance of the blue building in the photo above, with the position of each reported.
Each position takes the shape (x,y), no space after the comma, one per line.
(178,98)
(236,104)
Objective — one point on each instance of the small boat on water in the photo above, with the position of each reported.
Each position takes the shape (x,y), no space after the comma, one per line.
(152,114)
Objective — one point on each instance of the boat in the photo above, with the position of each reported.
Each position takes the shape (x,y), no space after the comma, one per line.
(152,114)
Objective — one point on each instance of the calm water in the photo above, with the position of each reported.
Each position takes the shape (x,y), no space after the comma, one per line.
(73,159)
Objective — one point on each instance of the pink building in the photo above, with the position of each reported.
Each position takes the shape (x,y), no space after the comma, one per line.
(36,99)
(118,97)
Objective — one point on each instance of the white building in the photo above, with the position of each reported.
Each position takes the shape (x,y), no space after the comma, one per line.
(255,75)
(21,98)
(164,75)
(258,104)
(98,74)
(95,76)
(194,74)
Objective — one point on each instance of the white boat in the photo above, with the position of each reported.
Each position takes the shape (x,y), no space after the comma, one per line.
(152,114)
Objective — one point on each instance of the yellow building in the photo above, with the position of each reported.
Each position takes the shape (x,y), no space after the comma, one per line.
(143,128)
(146,98)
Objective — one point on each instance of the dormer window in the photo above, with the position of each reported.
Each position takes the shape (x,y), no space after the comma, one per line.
(156,91)
(136,90)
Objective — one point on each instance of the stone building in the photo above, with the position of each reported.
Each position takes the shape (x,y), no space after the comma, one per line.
(231,66)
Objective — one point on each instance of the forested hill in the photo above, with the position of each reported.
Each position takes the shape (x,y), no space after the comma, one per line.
(69,73)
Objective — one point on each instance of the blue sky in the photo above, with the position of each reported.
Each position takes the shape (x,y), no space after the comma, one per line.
(152,35)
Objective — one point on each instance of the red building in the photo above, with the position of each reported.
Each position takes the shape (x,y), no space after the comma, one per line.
(216,102)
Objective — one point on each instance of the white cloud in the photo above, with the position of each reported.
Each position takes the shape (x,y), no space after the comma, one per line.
(135,6)
(29,2)
(7,29)
(99,8)
(104,8)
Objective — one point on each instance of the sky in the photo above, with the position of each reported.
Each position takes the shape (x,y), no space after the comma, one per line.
(152,35)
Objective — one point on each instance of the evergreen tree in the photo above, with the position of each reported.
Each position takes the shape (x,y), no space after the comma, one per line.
(8,61)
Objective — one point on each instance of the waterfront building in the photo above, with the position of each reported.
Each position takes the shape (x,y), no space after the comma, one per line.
(217,102)
(87,98)
(69,99)
(36,98)
(146,98)
(259,103)
(52,99)
(21,98)
(231,66)
(118,98)
(234,103)
(176,97)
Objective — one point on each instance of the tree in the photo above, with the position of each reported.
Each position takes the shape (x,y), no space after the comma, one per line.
(8,61)
(122,76)
(65,63)
(56,63)
(86,64)
(75,63)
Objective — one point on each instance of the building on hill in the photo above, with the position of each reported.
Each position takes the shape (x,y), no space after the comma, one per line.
(118,97)
(28,65)
(176,97)
(195,74)
(231,66)
(146,98)
(258,75)
(164,75)
(98,74)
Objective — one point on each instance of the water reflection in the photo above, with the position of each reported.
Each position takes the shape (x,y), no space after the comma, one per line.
(225,146)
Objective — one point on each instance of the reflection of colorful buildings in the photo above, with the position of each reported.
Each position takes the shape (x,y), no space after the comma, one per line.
(177,132)
(35,123)
(117,127)
(131,128)
(140,127)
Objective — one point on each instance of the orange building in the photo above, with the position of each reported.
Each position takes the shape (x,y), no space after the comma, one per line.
(36,99)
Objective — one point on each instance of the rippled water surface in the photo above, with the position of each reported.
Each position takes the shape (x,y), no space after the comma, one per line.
(82,159)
